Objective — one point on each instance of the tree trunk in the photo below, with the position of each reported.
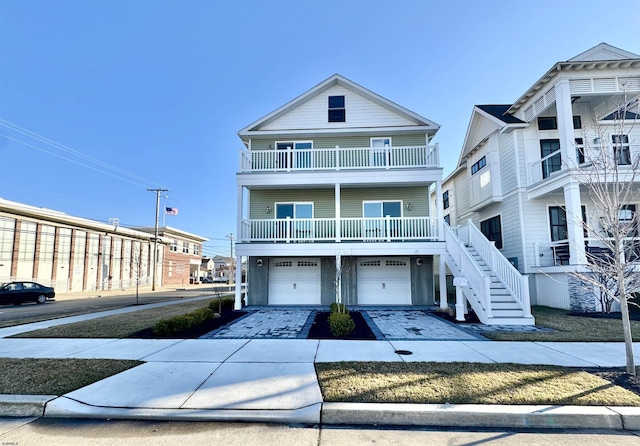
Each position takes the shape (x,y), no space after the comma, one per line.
(628,341)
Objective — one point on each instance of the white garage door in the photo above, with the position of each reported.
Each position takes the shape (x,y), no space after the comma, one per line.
(384,281)
(294,281)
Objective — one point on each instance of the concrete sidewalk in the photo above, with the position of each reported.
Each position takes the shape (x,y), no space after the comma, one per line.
(274,380)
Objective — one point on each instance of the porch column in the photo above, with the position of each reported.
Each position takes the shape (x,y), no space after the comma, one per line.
(443,283)
(439,210)
(575,233)
(239,214)
(338,278)
(337,206)
(461,301)
(238,301)
(564,112)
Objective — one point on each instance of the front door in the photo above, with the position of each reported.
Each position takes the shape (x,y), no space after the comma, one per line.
(296,155)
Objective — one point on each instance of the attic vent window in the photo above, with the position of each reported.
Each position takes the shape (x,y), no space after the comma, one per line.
(337,112)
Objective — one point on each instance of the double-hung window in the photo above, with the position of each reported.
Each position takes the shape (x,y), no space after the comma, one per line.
(337,109)
(550,155)
(621,151)
(445,200)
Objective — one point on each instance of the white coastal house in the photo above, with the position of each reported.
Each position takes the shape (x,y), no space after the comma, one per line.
(333,205)
(517,178)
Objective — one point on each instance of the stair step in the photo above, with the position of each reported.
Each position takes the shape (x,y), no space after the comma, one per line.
(505,306)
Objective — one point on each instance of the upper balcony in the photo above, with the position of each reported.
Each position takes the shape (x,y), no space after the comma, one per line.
(339,158)
(382,229)
(552,171)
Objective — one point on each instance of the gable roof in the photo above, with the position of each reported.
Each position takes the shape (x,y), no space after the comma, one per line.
(500,112)
(600,56)
(429,126)
(486,119)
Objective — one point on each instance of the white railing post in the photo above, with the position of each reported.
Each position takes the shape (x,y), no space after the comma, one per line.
(287,229)
(337,158)
(487,289)
(526,300)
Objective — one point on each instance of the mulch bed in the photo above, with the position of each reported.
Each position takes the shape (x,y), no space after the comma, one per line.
(619,377)
(226,317)
(634,315)
(320,328)
(469,318)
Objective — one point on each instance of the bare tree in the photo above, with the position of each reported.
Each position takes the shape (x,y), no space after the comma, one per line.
(609,175)
(136,266)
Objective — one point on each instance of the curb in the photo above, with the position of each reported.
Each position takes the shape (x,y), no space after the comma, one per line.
(481,416)
(372,414)
(24,405)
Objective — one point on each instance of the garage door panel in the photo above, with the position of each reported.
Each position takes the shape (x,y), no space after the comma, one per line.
(384,281)
(294,282)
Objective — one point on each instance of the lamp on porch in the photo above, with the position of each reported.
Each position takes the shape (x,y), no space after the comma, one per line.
(268,210)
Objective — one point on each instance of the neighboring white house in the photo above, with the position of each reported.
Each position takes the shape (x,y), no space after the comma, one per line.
(513,179)
(333,204)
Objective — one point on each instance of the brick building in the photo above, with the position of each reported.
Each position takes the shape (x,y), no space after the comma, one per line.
(75,254)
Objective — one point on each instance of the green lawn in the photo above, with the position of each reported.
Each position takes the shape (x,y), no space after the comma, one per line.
(569,328)
(55,376)
(466,383)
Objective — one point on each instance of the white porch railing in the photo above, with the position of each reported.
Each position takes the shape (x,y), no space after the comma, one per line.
(514,282)
(338,158)
(467,267)
(552,165)
(384,229)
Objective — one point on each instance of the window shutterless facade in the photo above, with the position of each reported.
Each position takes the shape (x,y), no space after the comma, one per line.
(580,151)
(295,154)
(337,110)
(478,165)
(621,151)
(547,123)
(445,200)
(492,229)
(550,155)
(558,223)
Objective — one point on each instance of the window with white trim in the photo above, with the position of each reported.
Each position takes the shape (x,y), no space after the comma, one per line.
(337,109)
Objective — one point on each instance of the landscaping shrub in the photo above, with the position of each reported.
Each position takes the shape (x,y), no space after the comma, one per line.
(338,308)
(169,327)
(341,324)
(227,303)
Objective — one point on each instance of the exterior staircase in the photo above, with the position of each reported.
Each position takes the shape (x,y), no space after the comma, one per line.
(485,279)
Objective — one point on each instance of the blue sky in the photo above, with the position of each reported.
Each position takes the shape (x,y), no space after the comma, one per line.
(142,94)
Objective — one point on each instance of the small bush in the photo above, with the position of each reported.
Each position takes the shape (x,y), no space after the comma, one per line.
(338,308)
(227,303)
(341,324)
(169,327)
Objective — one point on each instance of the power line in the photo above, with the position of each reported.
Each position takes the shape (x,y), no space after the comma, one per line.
(68,149)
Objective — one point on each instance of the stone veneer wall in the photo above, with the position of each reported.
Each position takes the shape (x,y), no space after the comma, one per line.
(581,299)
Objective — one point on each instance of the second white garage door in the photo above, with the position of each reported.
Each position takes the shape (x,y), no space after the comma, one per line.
(384,281)
(294,281)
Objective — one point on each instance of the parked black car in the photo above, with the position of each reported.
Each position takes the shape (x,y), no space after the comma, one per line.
(206,280)
(18,292)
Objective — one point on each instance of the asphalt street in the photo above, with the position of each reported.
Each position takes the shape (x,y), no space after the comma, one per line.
(72,432)
(28,312)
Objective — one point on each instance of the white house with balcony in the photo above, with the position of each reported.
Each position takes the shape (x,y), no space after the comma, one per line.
(333,203)
(518,177)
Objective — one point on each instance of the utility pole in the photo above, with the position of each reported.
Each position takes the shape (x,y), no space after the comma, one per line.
(155,235)
(232,271)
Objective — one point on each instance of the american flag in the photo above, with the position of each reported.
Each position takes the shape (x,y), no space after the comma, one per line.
(171,211)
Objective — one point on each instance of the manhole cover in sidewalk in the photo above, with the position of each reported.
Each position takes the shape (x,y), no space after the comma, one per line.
(404,352)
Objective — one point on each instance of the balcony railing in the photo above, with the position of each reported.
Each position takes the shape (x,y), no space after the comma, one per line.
(338,158)
(623,155)
(384,229)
